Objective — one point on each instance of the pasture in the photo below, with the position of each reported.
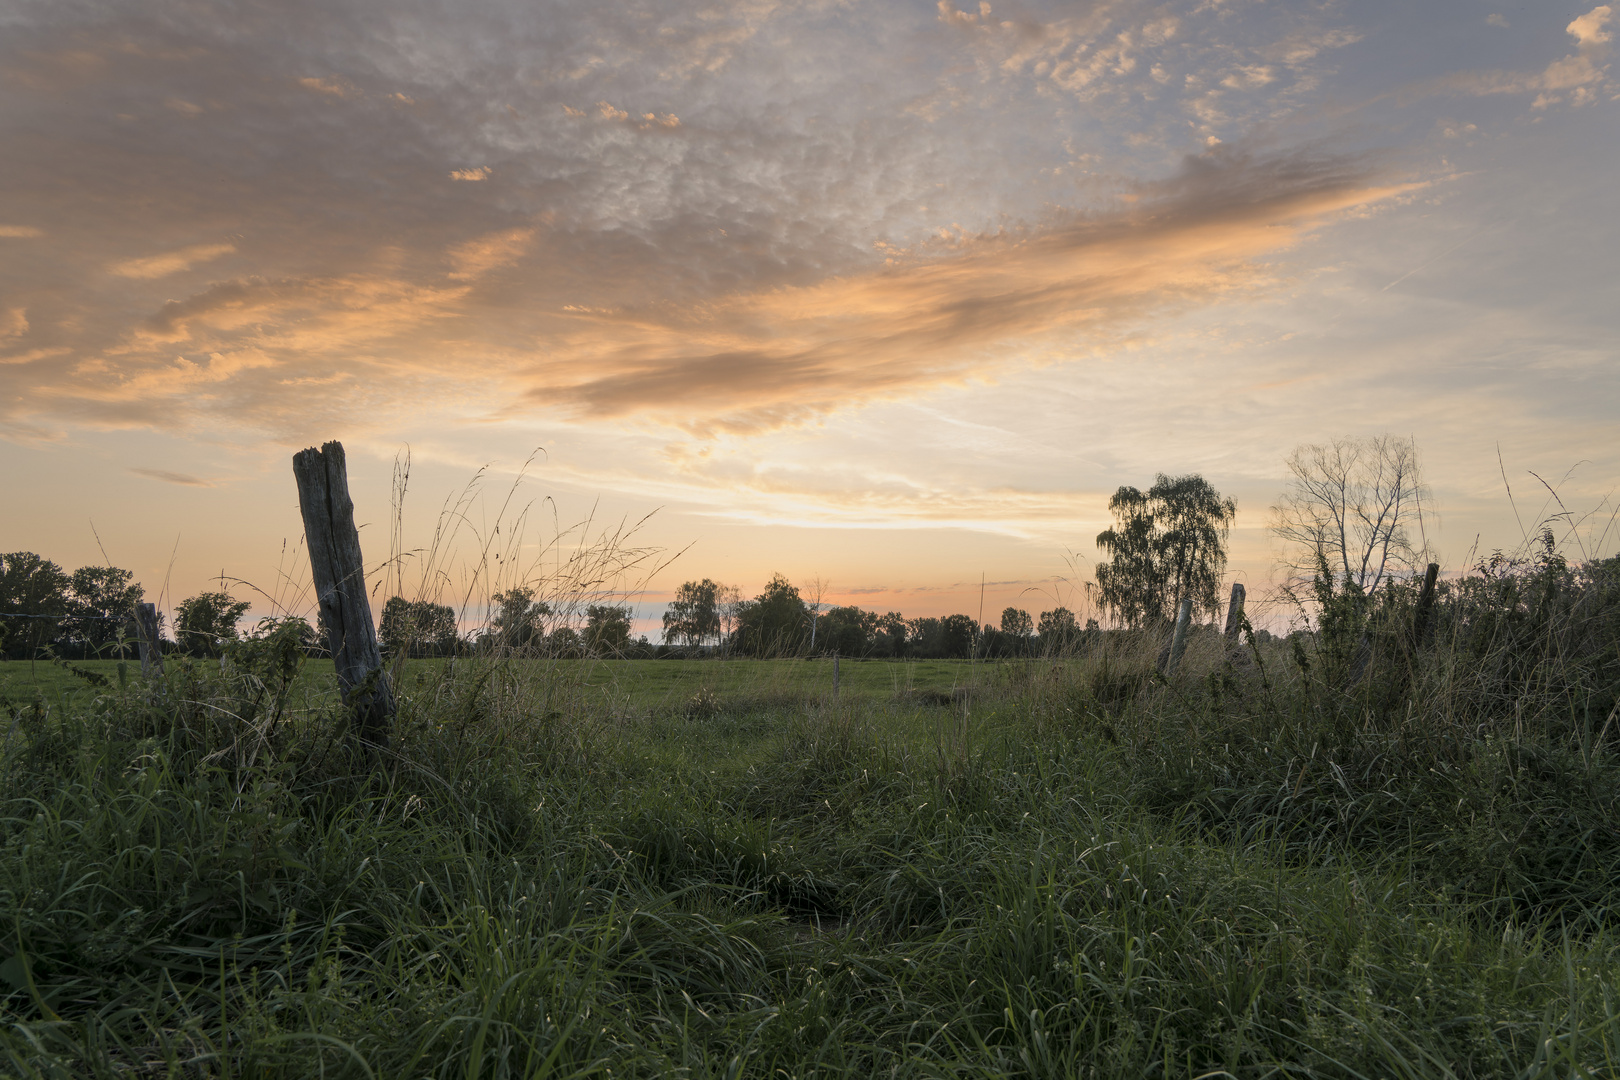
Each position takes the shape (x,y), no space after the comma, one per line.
(706,868)
(649,684)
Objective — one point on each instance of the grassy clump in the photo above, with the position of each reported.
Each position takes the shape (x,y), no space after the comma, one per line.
(1255,868)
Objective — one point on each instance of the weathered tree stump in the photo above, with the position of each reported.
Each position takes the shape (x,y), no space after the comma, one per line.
(340,589)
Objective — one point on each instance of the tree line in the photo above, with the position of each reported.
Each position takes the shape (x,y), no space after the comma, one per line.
(1344,523)
(89,613)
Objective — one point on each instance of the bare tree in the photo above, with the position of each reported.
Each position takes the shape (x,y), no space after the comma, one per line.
(728,602)
(1349,507)
(813,591)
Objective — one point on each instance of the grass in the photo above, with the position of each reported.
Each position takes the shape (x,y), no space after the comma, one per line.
(642,683)
(710,868)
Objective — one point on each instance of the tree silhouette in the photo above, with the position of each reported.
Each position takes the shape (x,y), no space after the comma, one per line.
(694,614)
(1168,545)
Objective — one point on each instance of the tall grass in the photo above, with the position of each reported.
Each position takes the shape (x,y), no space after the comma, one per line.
(1257,867)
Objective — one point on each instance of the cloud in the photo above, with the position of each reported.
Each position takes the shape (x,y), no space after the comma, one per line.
(644,122)
(32,355)
(1588,28)
(475,258)
(169,262)
(333,87)
(1578,75)
(730,218)
(20,231)
(760,359)
(183,479)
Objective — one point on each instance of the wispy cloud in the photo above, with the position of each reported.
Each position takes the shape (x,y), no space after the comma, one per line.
(324,85)
(169,262)
(687,218)
(1577,79)
(183,479)
(956,308)
(755,360)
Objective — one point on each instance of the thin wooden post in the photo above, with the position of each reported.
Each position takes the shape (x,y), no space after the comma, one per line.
(1234,615)
(1422,620)
(148,641)
(1178,643)
(340,588)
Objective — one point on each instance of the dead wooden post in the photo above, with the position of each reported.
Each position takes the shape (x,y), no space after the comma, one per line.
(1421,621)
(1178,643)
(147,640)
(340,588)
(1234,615)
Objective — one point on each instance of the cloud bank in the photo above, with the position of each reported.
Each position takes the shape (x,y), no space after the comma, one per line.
(727,219)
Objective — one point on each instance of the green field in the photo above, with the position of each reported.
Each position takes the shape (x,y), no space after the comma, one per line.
(650,684)
(707,868)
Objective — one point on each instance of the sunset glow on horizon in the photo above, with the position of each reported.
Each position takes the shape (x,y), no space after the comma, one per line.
(889,295)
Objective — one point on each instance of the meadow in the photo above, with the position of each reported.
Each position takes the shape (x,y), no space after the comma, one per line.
(1078,867)
(649,684)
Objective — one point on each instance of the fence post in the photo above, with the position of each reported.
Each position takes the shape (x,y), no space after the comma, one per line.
(1425,607)
(1234,614)
(1178,643)
(148,641)
(340,587)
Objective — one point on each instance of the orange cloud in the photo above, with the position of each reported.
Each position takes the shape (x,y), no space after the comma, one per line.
(478,257)
(334,87)
(170,262)
(754,360)
(484,328)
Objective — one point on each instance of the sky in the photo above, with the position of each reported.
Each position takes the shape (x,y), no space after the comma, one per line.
(889,296)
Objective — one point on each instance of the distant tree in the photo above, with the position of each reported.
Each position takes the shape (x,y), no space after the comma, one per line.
(1168,544)
(518,621)
(418,627)
(101,602)
(728,602)
(814,590)
(1016,623)
(34,592)
(694,615)
(958,634)
(925,638)
(397,631)
(607,629)
(1057,629)
(774,623)
(848,631)
(889,633)
(204,624)
(565,642)
(1348,512)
